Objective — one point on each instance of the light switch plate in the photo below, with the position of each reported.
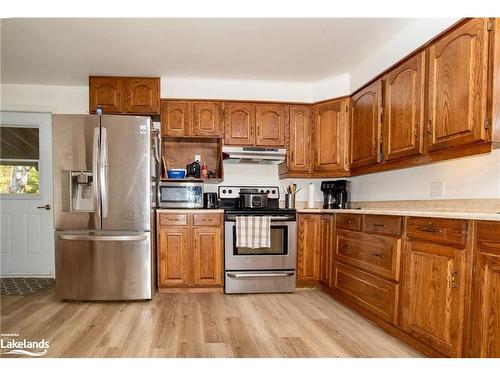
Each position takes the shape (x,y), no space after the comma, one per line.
(437,189)
(197,158)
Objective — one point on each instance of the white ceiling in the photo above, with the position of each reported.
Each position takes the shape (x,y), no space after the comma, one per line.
(67,51)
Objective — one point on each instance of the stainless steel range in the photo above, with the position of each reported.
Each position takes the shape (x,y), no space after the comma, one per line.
(262,270)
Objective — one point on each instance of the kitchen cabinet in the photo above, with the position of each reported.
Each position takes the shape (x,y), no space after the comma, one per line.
(299,147)
(458,86)
(173,256)
(327,249)
(403,115)
(239,124)
(185,118)
(329,136)
(142,95)
(365,124)
(125,95)
(106,92)
(437,267)
(308,249)
(270,124)
(485,338)
(190,249)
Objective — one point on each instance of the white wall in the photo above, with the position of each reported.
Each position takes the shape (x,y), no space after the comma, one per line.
(44,98)
(331,87)
(412,36)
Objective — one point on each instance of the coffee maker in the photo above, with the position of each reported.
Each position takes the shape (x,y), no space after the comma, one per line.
(335,193)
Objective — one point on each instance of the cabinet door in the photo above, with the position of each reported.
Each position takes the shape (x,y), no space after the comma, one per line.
(329,136)
(207,256)
(270,122)
(300,138)
(458,66)
(365,126)
(433,295)
(309,244)
(206,118)
(404,109)
(327,245)
(106,92)
(175,118)
(239,124)
(173,256)
(143,95)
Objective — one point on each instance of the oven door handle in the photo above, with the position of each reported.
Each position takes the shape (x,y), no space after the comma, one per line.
(251,275)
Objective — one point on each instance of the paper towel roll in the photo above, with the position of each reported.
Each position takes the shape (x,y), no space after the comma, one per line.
(310,200)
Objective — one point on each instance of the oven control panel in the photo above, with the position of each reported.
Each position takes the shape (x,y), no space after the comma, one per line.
(234,191)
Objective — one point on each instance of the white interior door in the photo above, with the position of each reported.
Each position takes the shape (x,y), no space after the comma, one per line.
(26,222)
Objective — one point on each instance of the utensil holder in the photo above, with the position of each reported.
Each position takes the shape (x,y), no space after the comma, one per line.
(289,200)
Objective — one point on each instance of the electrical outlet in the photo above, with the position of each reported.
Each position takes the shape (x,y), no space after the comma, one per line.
(197,158)
(437,189)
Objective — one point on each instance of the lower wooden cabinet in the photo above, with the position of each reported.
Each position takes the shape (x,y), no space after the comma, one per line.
(308,248)
(485,332)
(189,250)
(327,258)
(434,288)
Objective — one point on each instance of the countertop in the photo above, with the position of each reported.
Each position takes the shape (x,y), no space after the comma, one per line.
(191,210)
(419,213)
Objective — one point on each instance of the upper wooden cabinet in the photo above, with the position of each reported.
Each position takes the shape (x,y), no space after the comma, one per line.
(143,95)
(270,123)
(186,118)
(403,117)
(299,147)
(329,136)
(458,86)
(106,92)
(116,95)
(239,124)
(206,118)
(366,107)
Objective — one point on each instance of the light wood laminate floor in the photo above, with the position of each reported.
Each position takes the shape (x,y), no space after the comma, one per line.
(308,323)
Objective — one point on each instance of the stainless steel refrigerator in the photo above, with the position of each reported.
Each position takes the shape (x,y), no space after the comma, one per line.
(105,170)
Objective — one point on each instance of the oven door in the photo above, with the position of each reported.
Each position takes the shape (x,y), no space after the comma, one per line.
(282,255)
(180,195)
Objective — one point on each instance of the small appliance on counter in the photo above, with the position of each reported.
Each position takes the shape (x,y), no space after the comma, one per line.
(193,170)
(335,194)
(174,194)
(210,200)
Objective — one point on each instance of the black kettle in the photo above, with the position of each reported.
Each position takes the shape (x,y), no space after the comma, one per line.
(193,170)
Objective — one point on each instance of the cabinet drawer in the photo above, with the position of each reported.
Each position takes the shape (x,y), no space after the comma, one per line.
(447,231)
(206,219)
(488,237)
(390,225)
(349,221)
(374,294)
(377,254)
(173,219)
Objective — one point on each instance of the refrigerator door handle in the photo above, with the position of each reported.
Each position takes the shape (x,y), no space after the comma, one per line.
(101,237)
(95,175)
(103,177)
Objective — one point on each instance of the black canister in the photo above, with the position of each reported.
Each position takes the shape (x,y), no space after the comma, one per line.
(210,200)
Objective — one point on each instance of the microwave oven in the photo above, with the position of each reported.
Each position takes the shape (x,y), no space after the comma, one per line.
(180,194)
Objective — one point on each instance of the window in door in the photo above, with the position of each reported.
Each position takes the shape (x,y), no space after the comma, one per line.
(19,160)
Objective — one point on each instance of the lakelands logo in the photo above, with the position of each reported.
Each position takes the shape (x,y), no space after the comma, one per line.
(22,347)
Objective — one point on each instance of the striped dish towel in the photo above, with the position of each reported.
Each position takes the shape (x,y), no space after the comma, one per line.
(253,231)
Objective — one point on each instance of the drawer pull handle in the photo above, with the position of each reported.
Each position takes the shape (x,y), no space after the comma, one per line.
(430,229)
(381,256)
(344,246)
(380,225)
(454,275)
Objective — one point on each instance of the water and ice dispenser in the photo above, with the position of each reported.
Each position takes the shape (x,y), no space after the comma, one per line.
(78,191)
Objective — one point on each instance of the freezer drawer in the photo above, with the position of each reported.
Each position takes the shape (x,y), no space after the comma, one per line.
(259,282)
(103,265)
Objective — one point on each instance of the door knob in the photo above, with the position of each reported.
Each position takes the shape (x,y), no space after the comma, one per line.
(46,207)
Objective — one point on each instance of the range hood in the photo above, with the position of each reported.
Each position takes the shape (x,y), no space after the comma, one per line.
(253,155)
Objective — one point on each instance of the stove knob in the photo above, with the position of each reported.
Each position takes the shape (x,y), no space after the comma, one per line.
(267,191)
(261,190)
(230,191)
(273,192)
(224,191)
